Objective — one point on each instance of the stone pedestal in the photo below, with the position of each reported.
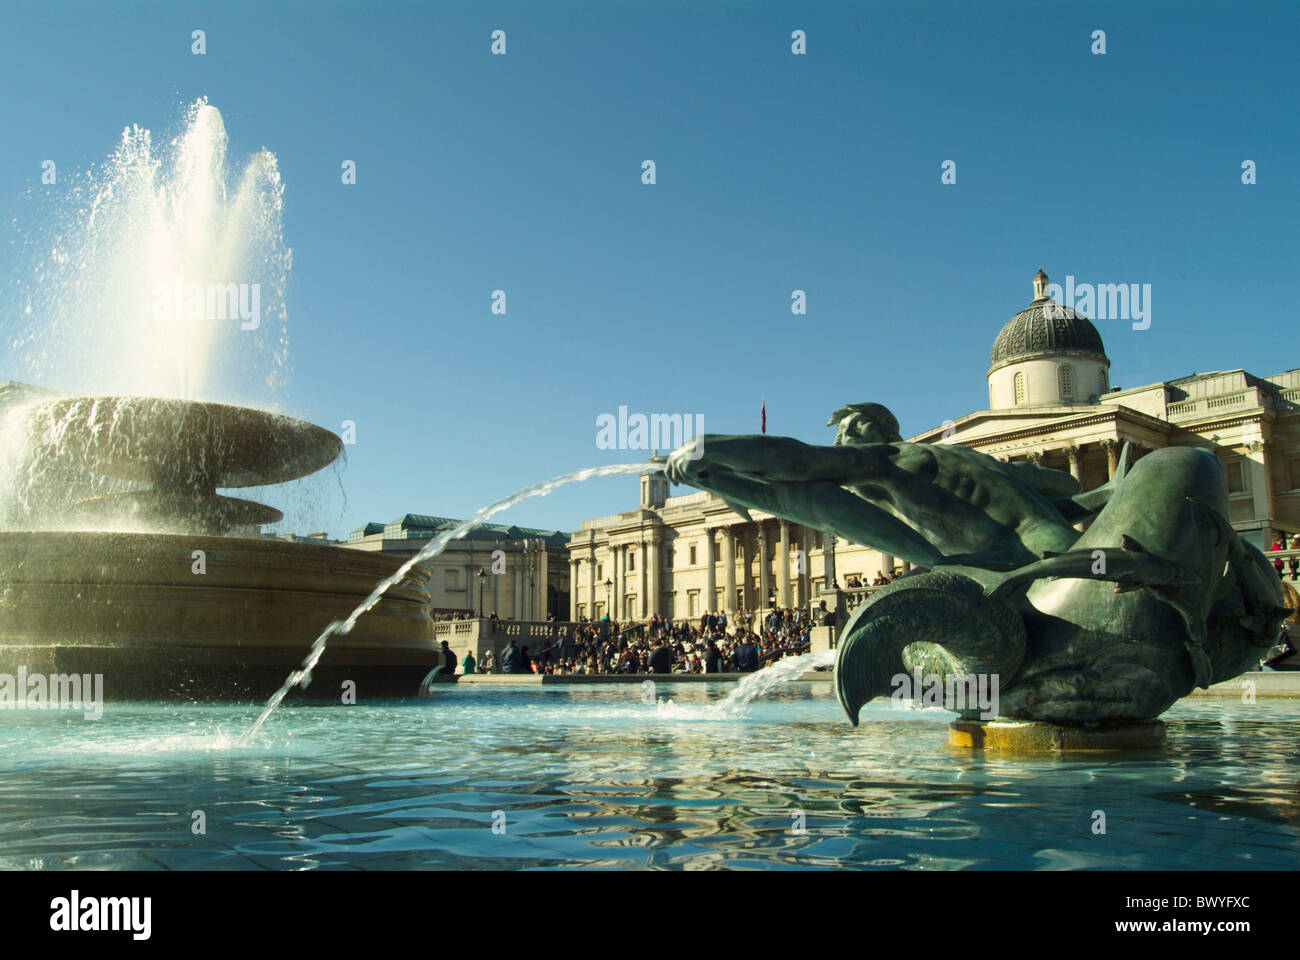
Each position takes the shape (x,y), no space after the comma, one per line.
(820,638)
(1028,736)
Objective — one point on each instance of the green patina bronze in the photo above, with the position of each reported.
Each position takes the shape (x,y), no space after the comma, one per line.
(1159,595)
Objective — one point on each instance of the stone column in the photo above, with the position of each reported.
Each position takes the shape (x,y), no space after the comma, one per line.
(710,577)
(729,562)
(647,607)
(783,566)
(1112,456)
(543,580)
(764,573)
(573,590)
(617,590)
(591,583)
(746,591)
(886,564)
(1076,462)
(1260,489)
(528,584)
(1075,454)
(656,566)
(828,560)
(620,584)
(801,570)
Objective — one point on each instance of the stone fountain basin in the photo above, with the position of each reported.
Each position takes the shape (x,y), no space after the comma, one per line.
(132,607)
(182,444)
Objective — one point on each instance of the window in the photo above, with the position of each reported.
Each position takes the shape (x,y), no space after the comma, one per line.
(1293,467)
(693,603)
(600,571)
(629,605)
(1102,384)
(453,579)
(1236,471)
(692,561)
(631,560)
(1067,382)
(1019,385)
(582,610)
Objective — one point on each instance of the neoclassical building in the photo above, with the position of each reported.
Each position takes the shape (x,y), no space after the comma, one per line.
(520,572)
(1050,402)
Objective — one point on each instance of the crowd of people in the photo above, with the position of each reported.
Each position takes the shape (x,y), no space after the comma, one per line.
(880,580)
(714,644)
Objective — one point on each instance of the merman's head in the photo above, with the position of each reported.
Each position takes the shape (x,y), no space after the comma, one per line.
(864,423)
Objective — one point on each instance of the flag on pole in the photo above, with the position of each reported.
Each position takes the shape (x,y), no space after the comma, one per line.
(763,416)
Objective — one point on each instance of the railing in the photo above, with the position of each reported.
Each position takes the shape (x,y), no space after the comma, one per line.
(1287,555)
(855,595)
(446,629)
(1217,403)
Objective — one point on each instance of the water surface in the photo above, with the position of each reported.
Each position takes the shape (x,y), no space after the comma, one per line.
(592,776)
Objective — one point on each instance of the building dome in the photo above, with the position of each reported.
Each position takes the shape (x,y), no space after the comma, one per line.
(1047,353)
(1045,329)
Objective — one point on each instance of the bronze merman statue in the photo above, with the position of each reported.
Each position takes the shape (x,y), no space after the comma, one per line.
(1159,595)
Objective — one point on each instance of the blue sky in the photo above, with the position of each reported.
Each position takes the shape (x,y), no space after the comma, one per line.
(774,172)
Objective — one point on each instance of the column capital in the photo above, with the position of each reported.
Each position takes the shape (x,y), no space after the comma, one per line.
(1074,451)
(1035,457)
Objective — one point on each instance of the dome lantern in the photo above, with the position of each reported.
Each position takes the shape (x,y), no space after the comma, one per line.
(1041,284)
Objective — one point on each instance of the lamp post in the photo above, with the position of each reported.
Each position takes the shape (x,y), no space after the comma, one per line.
(482,579)
(609,592)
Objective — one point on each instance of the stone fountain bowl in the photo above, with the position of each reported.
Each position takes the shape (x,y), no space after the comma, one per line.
(182,445)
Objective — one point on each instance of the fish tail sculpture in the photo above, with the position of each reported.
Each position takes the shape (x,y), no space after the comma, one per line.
(940,622)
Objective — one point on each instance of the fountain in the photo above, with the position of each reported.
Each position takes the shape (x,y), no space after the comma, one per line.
(1082,639)
(117,554)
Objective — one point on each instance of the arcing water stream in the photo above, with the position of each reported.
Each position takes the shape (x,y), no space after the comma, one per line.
(435,546)
(763,681)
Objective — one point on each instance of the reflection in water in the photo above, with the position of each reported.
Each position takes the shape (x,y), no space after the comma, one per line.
(590,776)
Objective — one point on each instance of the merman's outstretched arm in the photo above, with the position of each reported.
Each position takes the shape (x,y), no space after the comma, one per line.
(801,483)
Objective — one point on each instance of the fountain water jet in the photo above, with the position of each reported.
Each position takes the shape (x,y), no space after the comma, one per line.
(302,676)
(97,299)
(116,551)
(762,682)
